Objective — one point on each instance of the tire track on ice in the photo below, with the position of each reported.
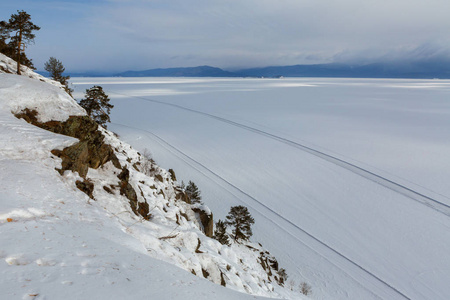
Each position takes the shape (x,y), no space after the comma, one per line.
(194,162)
(383,181)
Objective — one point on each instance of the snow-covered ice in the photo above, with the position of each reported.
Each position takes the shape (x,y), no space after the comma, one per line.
(349,235)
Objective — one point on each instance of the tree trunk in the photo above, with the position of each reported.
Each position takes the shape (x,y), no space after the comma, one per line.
(19,46)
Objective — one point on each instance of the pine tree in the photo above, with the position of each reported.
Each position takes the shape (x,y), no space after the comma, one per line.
(193,193)
(220,233)
(19,30)
(241,220)
(4,35)
(97,105)
(56,70)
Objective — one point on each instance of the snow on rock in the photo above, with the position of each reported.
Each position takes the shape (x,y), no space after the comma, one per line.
(174,231)
(8,65)
(50,101)
(56,241)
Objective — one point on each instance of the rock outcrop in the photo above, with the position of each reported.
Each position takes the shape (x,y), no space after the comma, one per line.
(89,152)
(126,189)
(206,219)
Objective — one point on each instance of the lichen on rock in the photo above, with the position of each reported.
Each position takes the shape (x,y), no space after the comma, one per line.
(89,152)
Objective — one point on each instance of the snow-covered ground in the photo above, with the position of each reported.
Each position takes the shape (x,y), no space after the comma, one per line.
(57,246)
(57,243)
(347,178)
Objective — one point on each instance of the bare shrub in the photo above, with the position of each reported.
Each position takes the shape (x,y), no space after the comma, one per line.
(290,284)
(147,154)
(283,276)
(305,288)
(147,163)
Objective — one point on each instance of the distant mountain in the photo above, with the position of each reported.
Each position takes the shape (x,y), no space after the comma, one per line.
(423,69)
(376,70)
(321,70)
(202,71)
(81,74)
(418,69)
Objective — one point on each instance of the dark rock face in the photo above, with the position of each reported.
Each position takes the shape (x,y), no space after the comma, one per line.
(139,208)
(90,152)
(222,279)
(270,265)
(206,220)
(172,174)
(80,127)
(86,187)
(74,158)
(5,70)
(181,195)
(205,273)
(28,115)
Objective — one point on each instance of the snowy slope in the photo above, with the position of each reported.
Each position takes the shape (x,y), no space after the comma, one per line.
(57,242)
(9,66)
(350,234)
(59,246)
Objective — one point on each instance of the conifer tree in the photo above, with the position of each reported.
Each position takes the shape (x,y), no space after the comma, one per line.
(4,35)
(220,233)
(241,220)
(56,70)
(97,105)
(19,30)
(193,193)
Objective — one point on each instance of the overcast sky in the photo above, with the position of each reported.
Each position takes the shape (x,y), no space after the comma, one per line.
(118,35)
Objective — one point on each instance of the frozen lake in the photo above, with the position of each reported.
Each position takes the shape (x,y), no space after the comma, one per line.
(347,178)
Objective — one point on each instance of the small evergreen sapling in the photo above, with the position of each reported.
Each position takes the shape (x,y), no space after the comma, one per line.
(220,233)
(97,105)
(182,186)
(241,220)
(193,193)
(56,70)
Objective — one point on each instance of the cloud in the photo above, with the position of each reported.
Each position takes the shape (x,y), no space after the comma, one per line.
(287,31)
(247,33)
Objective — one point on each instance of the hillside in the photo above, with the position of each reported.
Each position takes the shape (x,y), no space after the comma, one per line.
(84,215)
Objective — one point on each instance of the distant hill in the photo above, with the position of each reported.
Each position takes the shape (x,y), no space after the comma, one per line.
(202,71)
(418,69)
(376,70)
(428,69)
(81,74)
